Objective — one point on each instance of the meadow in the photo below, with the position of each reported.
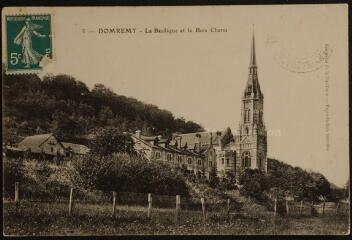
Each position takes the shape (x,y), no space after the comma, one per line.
(51,218)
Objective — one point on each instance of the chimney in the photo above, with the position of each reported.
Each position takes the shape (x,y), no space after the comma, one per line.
(219,138)
(198,142)
(138,134)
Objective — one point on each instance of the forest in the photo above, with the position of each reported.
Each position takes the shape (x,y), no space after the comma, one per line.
(68,108)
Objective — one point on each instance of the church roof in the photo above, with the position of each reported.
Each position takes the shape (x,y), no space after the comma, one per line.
(193,139)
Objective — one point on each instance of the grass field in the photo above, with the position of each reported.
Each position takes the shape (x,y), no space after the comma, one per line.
(35,218)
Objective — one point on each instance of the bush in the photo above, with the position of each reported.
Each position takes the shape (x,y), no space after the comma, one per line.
(125,173)
(254,183)
(228,182)
(110,140)
(44,170)
(13,171)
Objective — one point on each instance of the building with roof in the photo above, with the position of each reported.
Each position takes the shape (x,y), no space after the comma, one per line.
(73,148)
(248,150)
(158,149)
(42,144)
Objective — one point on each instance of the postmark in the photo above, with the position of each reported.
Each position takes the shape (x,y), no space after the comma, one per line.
(28,42)
(296,46)
(298,61)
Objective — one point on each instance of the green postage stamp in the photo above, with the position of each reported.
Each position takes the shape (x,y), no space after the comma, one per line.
(28,42)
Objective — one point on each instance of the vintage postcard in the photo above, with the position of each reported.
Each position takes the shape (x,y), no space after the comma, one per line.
(187,120)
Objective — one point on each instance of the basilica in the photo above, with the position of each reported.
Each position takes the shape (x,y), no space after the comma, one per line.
(204,152)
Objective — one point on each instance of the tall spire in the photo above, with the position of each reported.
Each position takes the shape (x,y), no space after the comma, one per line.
(253,60)
(252,88)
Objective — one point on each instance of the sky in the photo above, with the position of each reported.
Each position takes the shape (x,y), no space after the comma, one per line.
(201,76)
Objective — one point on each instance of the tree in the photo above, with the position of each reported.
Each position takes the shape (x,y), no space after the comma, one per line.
(66,127)
(105,115)
(110,140)
(254,183)
(229,181)
(65,106)
(347,189)
(227,137)
(213,178)
(125,173)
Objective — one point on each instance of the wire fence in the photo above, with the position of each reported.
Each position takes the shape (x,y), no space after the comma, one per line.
(177,207)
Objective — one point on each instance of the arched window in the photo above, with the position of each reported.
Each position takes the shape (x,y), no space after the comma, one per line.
(247,131)
(189,160)
(246,159)
(169,157)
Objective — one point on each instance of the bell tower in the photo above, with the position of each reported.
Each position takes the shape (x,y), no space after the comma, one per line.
(252,138)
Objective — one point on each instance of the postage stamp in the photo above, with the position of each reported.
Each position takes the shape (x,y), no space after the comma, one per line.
(29,42)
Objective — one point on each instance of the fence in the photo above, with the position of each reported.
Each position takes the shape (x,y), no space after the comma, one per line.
(304,208)
(178,207)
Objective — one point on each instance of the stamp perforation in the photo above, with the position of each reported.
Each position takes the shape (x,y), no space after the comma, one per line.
(44,55)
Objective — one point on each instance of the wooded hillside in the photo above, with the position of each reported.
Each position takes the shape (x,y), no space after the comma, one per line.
(65,106)
(302,183)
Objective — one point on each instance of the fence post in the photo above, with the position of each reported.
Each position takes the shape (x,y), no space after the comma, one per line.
(287,210)
(275,206)
(228,208)
(113,203)
(203,208)
(300,207)
(17,195)
(337,207)
(323,207)
(178,204)
(312,207)
(70,202)
(149,204)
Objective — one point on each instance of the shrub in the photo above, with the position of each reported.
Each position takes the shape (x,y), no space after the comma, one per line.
(110,140)
(228,182)
(125,173)
(254,183)
(43,170)
(213,179)
(13,171)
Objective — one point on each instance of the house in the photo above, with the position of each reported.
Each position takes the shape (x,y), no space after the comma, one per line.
(219,157)
(43,145)
(73,148)
(155,148)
